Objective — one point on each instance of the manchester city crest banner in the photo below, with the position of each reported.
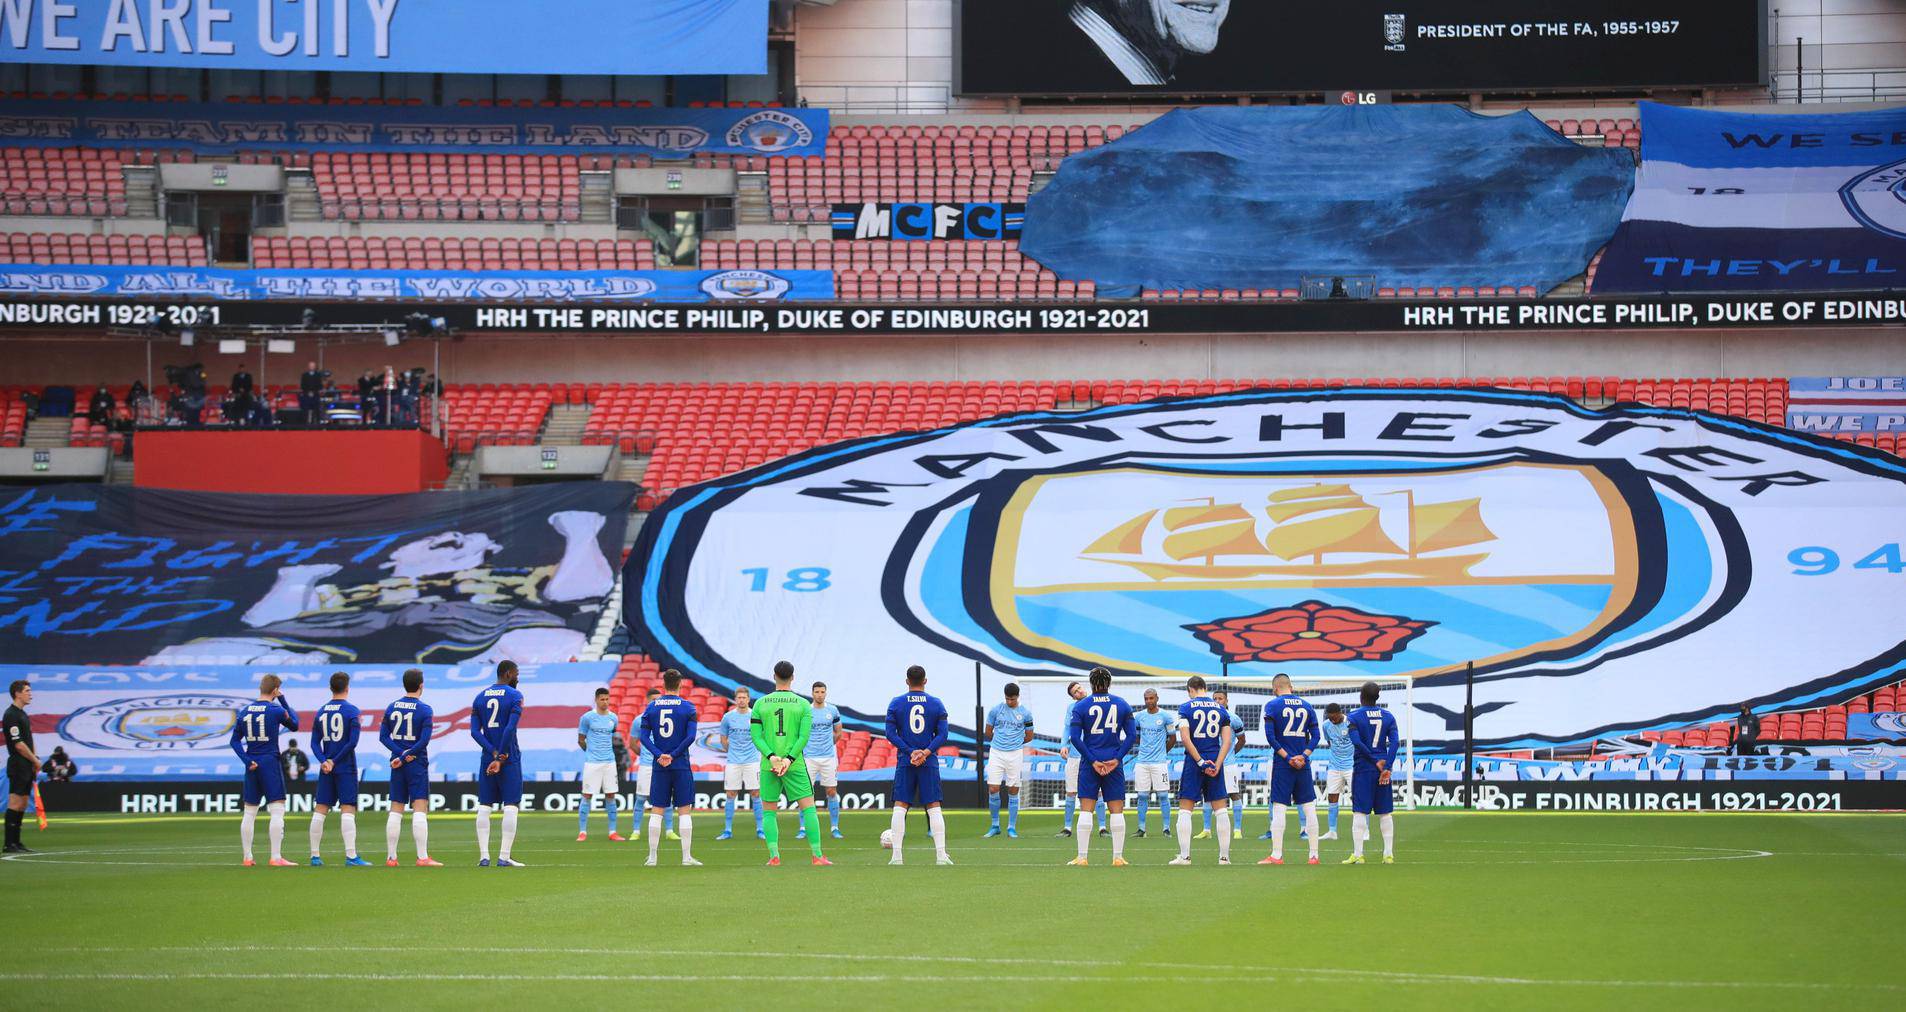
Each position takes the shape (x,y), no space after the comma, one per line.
(94,574)
(1606,571)
(1730,201)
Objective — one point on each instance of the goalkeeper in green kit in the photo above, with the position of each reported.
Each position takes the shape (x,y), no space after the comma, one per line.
(780,724)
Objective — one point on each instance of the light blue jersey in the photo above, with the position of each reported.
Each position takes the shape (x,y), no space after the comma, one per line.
(598,733)
(1343,751)
(1064,738)
(741,749)
(1154,734)
(1011,725)
(820,740)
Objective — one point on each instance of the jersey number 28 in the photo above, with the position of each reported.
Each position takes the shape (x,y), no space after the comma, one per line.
(1204,723)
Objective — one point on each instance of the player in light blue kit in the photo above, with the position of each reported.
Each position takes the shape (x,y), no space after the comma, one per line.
(742,770)
(1343,759)
(1373,734)
(823,758)
(493,718)
(1290,727)
(1204,729)
(916,726)
(334,733)
(1152,772)
(405,734)
(595,735)
(255,742)
(1101,732)
(668,729)
(1008,725)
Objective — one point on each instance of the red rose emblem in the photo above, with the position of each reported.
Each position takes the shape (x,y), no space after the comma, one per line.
(1311,631)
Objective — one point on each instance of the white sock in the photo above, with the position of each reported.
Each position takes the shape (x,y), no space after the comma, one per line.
(1082,830)
(685,828)
(509,831)
(937,823)
(1310,824)
(1359,831)
(420,834)
(245,823)
(1224,833)
(483,832)
(1277,830)
(1387,823)
(348,822)
(899,828)
(655,833)
(317,832)
(1117,820)
(1184,832)
(392,826)
(277,830)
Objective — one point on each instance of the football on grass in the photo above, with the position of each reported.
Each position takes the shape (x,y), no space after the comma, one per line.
(886,839)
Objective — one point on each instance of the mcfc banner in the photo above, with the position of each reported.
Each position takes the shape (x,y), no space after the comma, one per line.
(1606,572)
(1743,202)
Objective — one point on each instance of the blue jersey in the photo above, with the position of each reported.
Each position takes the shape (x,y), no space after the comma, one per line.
(1343,753)
(1101,727)
(1290,725)
(493,718)
(668,727)
(1011,725)
(598,735)
(255,732)
(1154,734)
(406,729)
(820,739)
(334,733)
(1065,734)
(1207,721)
(916,720)
(1373,735)
(741,750)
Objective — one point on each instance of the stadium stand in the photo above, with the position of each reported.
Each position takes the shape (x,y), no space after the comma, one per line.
(432,187)
(456,253)
(126,250)
(62,181)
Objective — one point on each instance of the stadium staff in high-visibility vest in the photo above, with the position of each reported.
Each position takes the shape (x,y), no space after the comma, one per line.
(22,764)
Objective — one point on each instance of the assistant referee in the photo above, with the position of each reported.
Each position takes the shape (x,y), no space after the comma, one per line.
(22,765)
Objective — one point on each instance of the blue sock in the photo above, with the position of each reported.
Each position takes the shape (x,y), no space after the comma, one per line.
(1333,816)
(992,807)
(1207,815)
(615,808)
(728,815)
(1012,812)
(759,811)
(833,811)
(582,815)
(1101,814)
(1144,802)
(1071,805)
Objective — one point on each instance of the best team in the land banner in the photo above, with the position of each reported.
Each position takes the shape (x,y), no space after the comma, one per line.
(780,749)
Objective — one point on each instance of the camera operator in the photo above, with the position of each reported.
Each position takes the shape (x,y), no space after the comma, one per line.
(366,394)
(311,393)
(188,398)
(99,410)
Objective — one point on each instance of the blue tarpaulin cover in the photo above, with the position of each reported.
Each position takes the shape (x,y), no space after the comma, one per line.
(1262,197)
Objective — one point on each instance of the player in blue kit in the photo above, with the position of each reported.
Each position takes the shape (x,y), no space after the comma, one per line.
(405,734)
(1373,735)
(916,725)
(255,742)
(1290,727)
(1204,729)
(595,735)
(822,757)
(1101,732)
(334,734)
(494,715)
(668,729)
(1343,759)
(1076,692)
(1008,725)
(1152,769)
(741,766)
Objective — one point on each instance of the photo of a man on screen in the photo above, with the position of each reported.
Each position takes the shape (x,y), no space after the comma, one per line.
(1144,39)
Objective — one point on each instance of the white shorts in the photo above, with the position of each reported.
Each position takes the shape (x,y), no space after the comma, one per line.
(823,771)
(1338,782)
(741,777)
(600,778)
(1072,774)
(642,782)
(1152,778)
(1233,778)
(1007,767)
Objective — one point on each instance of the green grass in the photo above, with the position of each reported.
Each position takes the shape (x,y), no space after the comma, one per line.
(1510,911)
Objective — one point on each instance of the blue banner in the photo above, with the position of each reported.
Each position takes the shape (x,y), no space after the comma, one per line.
(462,286)
(928,221)
(222,127)
(1847,403)
(425,36)
(1876,726)
(1749,202)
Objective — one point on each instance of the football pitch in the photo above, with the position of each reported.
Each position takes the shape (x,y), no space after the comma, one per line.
(1482,911)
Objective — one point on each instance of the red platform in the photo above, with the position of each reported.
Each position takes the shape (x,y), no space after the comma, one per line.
(334,462)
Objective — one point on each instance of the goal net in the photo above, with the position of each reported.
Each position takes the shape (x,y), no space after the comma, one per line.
(1043,776)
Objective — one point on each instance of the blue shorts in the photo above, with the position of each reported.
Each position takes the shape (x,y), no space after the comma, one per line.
(672,786)
(266,783)
(1366,793)
(1289,786)
(917,785)
(410,782)
(504,787)
(1193,785)
(338,787)
(1110,787)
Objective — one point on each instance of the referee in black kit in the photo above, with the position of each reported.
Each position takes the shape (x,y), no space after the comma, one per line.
(22,765)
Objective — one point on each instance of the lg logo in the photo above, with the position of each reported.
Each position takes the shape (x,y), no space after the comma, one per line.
(1361,98)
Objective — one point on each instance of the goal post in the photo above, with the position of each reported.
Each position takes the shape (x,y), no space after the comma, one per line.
(1043,775)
